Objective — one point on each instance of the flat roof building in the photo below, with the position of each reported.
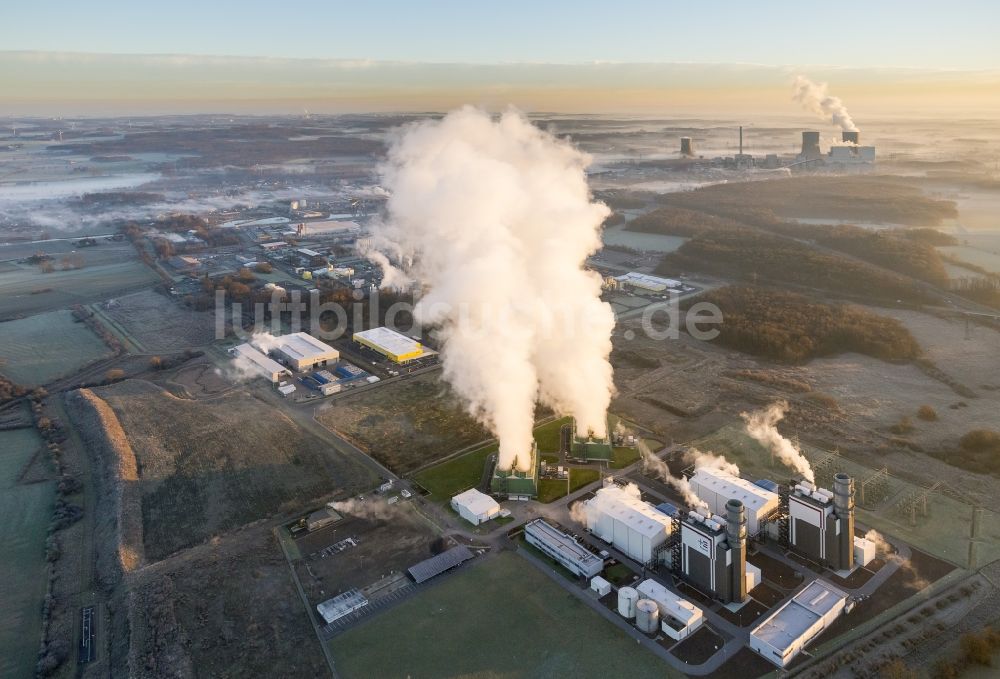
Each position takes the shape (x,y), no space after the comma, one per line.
(620,516)
(341,605)
(678,616)
(644,281)
(436,565)
(393,345)
(793,626)
(570,554)
(255,360)
(475,507)
(302,351)
(715,487)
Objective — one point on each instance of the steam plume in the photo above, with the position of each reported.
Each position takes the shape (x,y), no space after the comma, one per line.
(652,464)
(814,98)
(762,427)
(494,220)
(701,459)
(376,509)
(886,551)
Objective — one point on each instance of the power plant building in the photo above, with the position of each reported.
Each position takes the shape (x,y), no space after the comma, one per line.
(589,448)
(678,616)
(475,507)
(514,483)
(793,626)
(569,553)
(260,363)
(821,523)
(395,346)
(302,351)
(714,554)
(716,487)
(620,517)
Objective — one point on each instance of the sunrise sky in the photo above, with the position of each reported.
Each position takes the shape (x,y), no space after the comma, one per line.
(630,56)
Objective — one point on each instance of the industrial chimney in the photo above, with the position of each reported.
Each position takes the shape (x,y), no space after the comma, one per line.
(810,145)
(850,137)
(687,149)
(736,535)
(843,506)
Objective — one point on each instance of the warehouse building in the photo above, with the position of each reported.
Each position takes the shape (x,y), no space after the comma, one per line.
(341,605)
(716,487)
(643,282)
(714,554)
(793,626)
(395,346)
(302,351)
(436,565)
(250,357)
(475,507)
(821,523)
(566,551)
(620,517)
(678,616)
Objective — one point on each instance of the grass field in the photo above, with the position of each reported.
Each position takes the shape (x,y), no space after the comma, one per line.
(405,424)
(501,618)
(26,510)
(44,347)
(550,490)
(452,477)
(461,473)
(209,466)
(158,323)
(24,289)
(987,260)
(547,436)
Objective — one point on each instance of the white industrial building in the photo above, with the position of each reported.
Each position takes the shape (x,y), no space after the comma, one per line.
(600,585)
(326,227)
(250,357)
(646,282)
(302,351)
(821,522)
(864,551)
(475,507)
(792,627)
(715,487)
(678,616)
(555,544)
(619,516)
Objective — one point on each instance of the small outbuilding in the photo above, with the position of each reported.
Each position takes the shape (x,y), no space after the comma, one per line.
(475,507)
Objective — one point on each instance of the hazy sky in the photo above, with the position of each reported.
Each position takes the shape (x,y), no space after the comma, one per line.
(629,55)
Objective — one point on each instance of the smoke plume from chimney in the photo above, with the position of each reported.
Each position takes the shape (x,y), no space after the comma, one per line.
(814,98)
(494,220)
(762,427)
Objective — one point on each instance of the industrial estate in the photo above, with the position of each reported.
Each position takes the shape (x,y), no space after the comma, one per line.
(426,396)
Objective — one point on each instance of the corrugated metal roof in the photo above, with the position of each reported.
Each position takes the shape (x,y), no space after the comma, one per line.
(428,568)
(754,497)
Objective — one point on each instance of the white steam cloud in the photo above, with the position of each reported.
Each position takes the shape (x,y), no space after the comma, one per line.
(887,552)
(762,427)
(494,220)
(708,460)
(375,509)
(815,99)
(653,465)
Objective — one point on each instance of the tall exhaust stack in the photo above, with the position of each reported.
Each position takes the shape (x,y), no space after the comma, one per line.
(810,145)
(741,140)
(843,506)
(687,148)
(736,535)
(850,137)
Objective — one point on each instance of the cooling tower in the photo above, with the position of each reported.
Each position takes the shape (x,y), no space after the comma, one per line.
(850,137)
(810,145)
(843,505)
(687,148)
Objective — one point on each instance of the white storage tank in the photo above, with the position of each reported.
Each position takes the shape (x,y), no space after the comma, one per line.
(627,597)
(647,616)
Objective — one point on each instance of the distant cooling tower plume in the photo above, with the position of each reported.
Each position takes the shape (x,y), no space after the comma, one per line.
(762,427)
(494,220)
(814,98)
(652,465)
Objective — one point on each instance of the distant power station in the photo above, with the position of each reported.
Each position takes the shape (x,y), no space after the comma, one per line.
(687,148)
(848,153)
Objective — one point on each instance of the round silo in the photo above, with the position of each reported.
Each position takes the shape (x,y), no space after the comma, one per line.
(647,615)
(627,596)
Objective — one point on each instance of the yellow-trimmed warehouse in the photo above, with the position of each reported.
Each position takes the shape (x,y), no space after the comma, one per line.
(391,344)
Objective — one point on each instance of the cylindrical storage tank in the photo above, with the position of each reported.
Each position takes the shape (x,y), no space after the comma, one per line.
(647,616)
(627,596)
